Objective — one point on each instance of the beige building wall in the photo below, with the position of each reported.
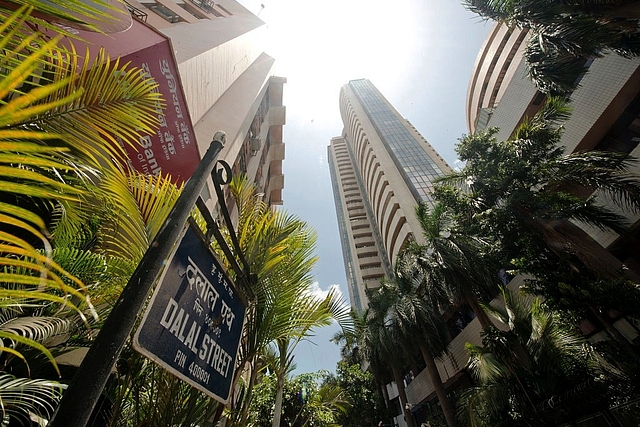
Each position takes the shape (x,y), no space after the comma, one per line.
(371,188)
(229,84)
(360,249)
(494,68)
(501,95)
(610,85)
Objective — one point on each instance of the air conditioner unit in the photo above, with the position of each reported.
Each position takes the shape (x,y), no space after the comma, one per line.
(166,13)
(255,146)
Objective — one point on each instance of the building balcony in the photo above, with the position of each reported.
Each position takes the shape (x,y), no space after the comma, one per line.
(276,152)
(206,5)
(421,387)
(276,182)
(277,115)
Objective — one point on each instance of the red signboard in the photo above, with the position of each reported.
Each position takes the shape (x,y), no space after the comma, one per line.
(172,149)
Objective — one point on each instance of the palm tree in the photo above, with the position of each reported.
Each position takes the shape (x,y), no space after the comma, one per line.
(348,340)
(383,347)
(282,311)
(354,351)
(306,312)
(328,398)
(418,323)
(455,267)
(147,395)
(308,403)
(128,211)
(525,194)
(538,358)
(57,124)
(564,35)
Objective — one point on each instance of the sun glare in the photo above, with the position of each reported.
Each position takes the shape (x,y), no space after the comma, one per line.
(326,44)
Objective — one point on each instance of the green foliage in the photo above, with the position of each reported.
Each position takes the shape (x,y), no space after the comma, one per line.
(47,97)
(305,403)
(518,370)
(145,394)
(24,399)
(524,197)
(453,266)
(564,35)
(523,194)
(367,408)
(62,118)
(278,248)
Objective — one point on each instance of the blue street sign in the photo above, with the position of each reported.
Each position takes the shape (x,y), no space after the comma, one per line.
(193,324)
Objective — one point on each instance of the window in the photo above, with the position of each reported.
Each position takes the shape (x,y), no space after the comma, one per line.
(168,14)
(193,10)
(206,5)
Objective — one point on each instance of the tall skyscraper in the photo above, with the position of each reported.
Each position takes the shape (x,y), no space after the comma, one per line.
(381,168)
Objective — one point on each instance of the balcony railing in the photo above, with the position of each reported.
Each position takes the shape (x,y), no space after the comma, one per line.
(206,5)
(136,13)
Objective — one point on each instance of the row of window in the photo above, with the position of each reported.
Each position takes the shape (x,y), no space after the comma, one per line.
(197,8)
(413,162)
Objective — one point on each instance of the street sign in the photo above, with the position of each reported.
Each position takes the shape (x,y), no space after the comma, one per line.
(193,324)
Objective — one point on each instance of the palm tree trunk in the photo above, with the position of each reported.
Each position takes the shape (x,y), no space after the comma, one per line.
(277,410)
(397,377)
(249,394)
(441,393)
(482,316)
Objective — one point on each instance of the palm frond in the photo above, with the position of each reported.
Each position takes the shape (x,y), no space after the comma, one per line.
(21,397)
(38,328)
(483,406)
(608,172)
(137,206)
(103,102)
(484,365)
(89,15)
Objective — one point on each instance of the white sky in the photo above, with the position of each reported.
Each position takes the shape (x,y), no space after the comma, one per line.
(418,53)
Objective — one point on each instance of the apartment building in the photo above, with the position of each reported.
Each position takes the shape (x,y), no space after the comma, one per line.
(210,62)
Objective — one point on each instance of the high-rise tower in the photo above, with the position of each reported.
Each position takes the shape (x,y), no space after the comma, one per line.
(381,168)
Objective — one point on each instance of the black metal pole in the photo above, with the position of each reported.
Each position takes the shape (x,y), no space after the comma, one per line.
(91,377)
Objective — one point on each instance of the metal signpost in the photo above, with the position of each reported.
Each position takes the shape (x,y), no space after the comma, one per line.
(87,385)
(193,324)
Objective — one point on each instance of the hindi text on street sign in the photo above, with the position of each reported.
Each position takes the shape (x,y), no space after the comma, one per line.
(193,324)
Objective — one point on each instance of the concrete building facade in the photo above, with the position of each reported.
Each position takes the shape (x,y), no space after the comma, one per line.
(605,109)
(605,116)
(381,168)
(229,83)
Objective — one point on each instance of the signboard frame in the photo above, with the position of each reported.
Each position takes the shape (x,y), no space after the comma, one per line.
(201,346)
